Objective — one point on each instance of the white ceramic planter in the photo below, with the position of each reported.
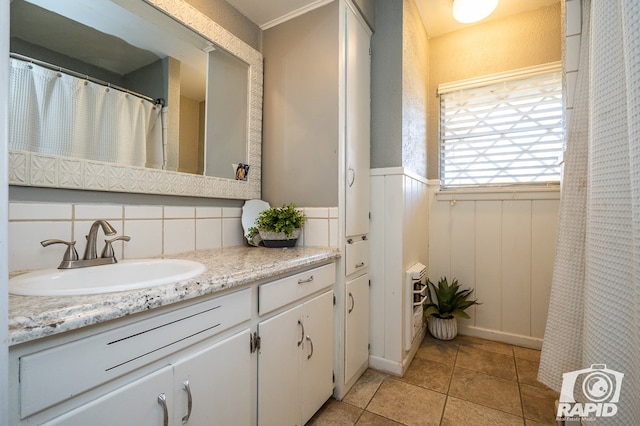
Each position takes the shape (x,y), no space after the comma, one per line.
(443,329)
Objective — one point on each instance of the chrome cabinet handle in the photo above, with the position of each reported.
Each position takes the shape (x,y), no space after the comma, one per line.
(360,265)
(353,302)
(187,388)
(311,343)
(162,400)
(308,280)
(352,177)
(301,334)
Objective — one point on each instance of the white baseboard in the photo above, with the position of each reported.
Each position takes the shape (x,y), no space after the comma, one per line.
(500,336)
(397,368)
(386,365)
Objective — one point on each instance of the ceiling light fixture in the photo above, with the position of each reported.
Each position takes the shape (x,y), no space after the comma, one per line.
(468,11)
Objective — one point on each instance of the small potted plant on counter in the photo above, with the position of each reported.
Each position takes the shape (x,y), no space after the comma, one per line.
(279,226)
(451,303)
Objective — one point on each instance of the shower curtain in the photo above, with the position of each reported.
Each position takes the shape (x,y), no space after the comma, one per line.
(594,309)
(55,113)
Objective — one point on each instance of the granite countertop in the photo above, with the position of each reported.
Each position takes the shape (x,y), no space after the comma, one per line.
(34,317)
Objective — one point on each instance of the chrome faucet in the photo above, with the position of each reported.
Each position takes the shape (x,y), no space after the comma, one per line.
(90,258)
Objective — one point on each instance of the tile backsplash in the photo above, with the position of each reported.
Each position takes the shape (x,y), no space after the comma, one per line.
(154,230)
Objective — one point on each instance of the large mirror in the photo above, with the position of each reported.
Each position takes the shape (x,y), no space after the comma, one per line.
(202,85)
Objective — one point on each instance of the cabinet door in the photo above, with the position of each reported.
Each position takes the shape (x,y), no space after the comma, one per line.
(135,404)
(218,380)
(279,393)
(357,125)
(317,363)
(357,319)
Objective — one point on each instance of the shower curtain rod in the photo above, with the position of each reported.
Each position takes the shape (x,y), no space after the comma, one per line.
(72,73)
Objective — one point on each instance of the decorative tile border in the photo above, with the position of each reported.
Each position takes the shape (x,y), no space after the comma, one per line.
(33,169)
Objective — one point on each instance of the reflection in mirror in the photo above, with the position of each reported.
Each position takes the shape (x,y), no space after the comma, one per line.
(226,118)
(132,46)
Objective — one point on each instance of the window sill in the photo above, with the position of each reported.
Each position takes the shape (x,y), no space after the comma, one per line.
(497,194)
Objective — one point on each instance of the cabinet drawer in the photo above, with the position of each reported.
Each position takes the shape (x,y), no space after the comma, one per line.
(53,375)
(279,293)
(356,256)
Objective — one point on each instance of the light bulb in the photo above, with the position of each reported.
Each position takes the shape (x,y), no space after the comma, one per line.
(468,11)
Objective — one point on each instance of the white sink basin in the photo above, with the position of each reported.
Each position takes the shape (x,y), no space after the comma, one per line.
(122,276)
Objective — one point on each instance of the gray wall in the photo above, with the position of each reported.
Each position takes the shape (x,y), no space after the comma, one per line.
(300,125)
(368,10)
(386,85)
(399,77)
(231,19)
(43,54)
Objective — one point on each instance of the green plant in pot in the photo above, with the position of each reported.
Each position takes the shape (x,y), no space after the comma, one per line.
(450,303)
(279,226)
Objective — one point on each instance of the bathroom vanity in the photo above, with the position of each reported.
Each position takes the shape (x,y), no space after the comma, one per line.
(250,341)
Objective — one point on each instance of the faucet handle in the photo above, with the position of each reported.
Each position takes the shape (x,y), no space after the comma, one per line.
(70,254)
(108,248)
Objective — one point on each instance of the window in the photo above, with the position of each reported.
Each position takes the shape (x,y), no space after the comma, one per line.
(502,130)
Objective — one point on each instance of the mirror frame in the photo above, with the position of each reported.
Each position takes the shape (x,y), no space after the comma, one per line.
(50,171)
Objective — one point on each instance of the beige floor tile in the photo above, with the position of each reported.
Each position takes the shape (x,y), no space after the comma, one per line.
(526,353)
(483,389)
(528,372)
(486,345)
(529,422)
(459,412)
(538,403)
(335,413)
(429,374)
(364,389)
(407,404)
(370,419)
(440,351)
(492,363)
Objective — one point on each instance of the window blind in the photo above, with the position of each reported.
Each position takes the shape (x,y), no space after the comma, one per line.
(505,133)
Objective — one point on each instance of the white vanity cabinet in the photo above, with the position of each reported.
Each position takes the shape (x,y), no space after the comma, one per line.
(295,360)
(218,381)
(117,375)
(136,403)
(260,355)
(211,386)
(357,319)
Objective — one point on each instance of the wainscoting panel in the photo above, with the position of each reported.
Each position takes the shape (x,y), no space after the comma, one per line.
(503,246)
(399,239)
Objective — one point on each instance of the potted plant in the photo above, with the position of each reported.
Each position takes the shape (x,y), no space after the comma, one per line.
(451,303)
(279,226)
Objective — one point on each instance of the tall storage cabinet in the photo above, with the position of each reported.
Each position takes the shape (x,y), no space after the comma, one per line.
(316,150)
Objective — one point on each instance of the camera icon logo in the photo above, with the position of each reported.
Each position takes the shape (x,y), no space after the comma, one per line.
(591,392)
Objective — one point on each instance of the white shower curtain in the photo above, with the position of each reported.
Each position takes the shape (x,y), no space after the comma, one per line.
(594,309)
(55,113)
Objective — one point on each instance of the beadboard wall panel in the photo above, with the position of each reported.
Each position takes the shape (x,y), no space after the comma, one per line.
(503,247)
(399,239)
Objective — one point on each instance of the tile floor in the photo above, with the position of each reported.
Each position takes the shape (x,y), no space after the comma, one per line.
(466,381)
